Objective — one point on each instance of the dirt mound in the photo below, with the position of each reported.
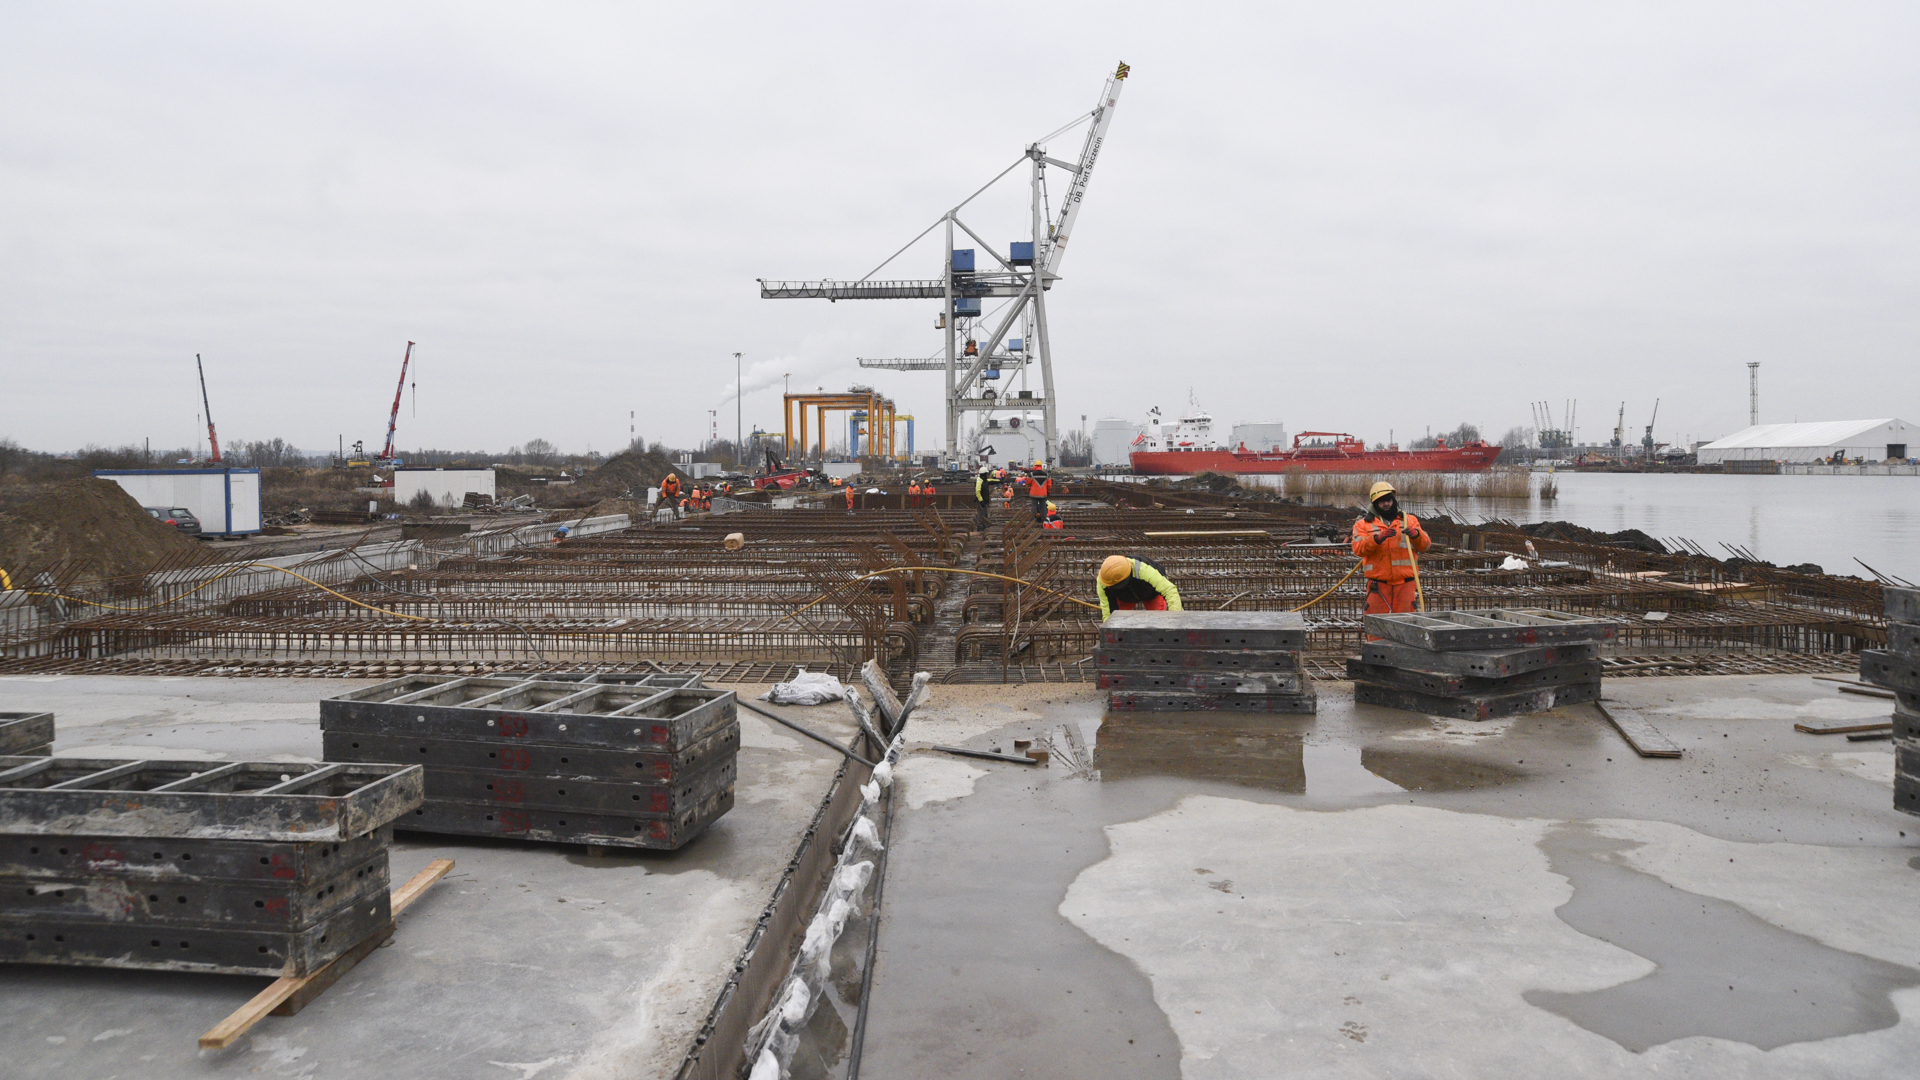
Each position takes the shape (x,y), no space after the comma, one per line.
(87,528)
(1567,530)
(628,474)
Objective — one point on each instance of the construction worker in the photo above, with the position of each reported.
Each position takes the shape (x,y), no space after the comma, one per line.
(1387,539)
(849,489)
(983,482)
(560,534)
(670,493)
(1039,489)
(1052,520)
(1134,584)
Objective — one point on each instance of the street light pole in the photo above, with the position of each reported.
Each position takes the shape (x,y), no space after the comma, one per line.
(739,452)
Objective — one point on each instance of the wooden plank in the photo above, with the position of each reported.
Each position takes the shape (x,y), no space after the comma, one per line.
(1843,727)
(1646,740)
(288,995)
(1865,691)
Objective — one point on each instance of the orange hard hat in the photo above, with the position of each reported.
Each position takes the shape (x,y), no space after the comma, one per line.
(1116,569)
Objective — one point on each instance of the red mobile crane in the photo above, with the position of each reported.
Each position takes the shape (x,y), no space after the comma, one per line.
(393,418)
(213,440)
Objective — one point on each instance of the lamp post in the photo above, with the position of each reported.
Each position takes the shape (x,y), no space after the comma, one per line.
(739,452)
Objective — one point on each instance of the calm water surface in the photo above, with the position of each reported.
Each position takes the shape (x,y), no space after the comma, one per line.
(1830,520)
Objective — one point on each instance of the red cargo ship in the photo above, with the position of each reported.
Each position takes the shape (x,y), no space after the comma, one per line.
(1188,447)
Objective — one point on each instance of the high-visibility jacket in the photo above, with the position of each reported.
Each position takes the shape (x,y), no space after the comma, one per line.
(1053,522)
(1142,585)
(980,485)
(1040,485)
(1387,557)
(670,487)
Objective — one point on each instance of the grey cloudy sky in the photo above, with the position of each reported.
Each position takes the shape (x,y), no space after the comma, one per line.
(1361,216)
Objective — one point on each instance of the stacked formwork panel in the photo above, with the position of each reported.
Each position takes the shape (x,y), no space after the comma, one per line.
(26,734)
(252,868)
(606,764)
(1155,661)
(1477,665)
(1897,667)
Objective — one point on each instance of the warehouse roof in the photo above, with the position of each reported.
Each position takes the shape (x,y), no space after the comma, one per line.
(1822,433)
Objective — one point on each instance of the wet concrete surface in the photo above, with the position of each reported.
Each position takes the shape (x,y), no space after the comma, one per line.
(1166,908)
(529,960)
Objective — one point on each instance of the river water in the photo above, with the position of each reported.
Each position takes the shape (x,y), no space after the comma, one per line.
(1829,520)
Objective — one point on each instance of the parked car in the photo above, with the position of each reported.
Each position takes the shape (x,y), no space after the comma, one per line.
(177,516)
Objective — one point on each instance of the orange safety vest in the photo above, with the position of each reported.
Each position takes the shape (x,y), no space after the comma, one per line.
(1053,522)
(1388,559)
(670,487)
(1040,486)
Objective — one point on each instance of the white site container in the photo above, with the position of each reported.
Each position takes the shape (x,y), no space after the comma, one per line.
(447,487)
(227,501)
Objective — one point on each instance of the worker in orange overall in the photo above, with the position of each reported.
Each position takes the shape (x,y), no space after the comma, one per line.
(670,493)
(849,498)
(1387,539)
(1039,489)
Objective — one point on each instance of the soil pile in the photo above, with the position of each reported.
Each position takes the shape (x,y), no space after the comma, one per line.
(87,528)
(1567,530)
(628,475)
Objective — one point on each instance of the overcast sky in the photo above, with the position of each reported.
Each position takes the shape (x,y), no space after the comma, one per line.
(1360,216)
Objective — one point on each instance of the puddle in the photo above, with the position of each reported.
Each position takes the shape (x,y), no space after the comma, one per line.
(1722,972)
(1335,771)
(1419,770)
(1229,748)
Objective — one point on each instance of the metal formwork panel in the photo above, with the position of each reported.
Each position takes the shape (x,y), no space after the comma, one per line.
(572,827)
(268,905)
(1480,664)
(1455,685)
(611,716)
(655,765)
(1903,605)
(233,951)
(26,733)
(1475,706)
(1288,682)
(170,860)
(1133,701)
(1895,671)
(1903,638)
(1256,630)
(484,787)
(1493,628)
(1208,660)
(237,801)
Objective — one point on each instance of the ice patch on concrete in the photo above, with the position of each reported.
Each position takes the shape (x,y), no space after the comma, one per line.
(927,778)
(1865,895)
(1445,729)
(1876,767)
(1354,942)
(1839,707)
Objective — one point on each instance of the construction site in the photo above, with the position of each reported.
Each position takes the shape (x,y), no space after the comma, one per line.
(846,769)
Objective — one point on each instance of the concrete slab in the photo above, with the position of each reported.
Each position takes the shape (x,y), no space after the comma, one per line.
(530,960)
(1371,892)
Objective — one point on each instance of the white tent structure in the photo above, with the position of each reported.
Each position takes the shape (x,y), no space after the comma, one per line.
(1868,440)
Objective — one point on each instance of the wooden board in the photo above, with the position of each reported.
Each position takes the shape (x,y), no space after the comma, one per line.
(1646,740)
(1843,727)
(287,996)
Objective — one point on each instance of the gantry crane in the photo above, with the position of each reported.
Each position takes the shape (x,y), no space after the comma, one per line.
(393,418)
(1023,277)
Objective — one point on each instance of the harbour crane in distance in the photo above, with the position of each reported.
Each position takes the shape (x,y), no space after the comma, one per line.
(213,439)
(393,418)
(1646,441)
(1620,429)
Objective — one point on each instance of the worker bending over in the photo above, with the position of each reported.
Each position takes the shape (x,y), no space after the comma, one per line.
(1052,520)
(1387,540)
(1135,584)
(1039,489)
(670,493)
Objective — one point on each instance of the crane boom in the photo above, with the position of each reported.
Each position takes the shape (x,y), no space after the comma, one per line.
(213,440)
(393,418)
(1096,135)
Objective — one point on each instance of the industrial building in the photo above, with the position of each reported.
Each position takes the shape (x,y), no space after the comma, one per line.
(1862,440)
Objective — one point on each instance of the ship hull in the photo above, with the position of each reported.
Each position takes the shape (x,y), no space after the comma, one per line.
(1452,459)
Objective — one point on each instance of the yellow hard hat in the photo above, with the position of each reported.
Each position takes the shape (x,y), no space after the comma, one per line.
(1379,489)
(1115,570)
(1039,464)
(1051,508)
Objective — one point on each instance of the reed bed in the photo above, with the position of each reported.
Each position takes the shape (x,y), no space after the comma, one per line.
(1500,482)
